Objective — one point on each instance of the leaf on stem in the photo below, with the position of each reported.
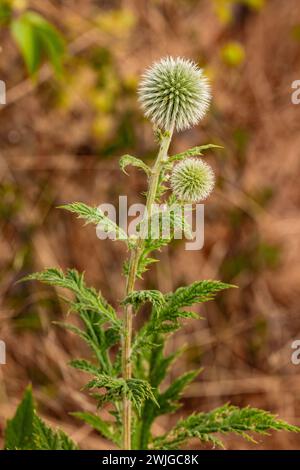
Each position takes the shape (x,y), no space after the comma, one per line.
(138,298)
(27,431)
(108,430)
(136,390)
(94,215)
(193,152)
(223,420)
(126,160)
(87,298)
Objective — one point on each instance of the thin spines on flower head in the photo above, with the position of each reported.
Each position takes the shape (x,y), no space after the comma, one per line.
(174,93)
(192,180)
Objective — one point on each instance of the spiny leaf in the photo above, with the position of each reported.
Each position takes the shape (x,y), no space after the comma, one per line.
(166,321)
(104,428)
(111,337)
(166,222)
(115,388)
(126,160)
(94,215)
(46,438)
(143,264)
(158,365)
(27,431)
(138,298)
(93,310)
(87,297)
(223,420)
(168,400)
(84,366)
(139,391)
(19,429)
(198,292)
(72,328)
(161,228)
(193,152)
(95,338)
(136,390)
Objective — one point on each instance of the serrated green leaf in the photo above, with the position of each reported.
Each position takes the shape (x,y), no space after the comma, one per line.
(193,152)
(158,367)
(93,310)
(136,390)
(161,364)
(93,215)
(198,292)
(27,431)
(223,420)
(169,400)
(19,429)
(46,438)
(126,160)
(138,298)
(165,222)
(87,298)
(104,428)
(84,366)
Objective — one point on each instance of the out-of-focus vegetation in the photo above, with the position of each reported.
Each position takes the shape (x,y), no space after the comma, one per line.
(71,70)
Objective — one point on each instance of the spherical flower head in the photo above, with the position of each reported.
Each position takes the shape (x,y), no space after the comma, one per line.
(174,92)
(192,180)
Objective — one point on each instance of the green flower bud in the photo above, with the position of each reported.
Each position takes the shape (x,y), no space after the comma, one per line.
(192,180)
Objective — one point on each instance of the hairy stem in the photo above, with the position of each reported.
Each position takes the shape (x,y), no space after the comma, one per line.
(132,274)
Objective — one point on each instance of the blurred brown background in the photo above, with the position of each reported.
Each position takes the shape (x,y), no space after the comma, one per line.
(60,142)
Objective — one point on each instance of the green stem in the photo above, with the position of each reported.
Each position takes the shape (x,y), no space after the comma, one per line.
(133,268)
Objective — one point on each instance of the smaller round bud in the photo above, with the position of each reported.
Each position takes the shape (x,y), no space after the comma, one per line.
(192,180)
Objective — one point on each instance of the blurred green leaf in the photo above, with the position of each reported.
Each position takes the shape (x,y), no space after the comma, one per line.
(27,40)
(52,41)
(37,38)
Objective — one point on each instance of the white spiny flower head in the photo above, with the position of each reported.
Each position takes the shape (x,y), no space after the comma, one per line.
(174,92)
(192,180)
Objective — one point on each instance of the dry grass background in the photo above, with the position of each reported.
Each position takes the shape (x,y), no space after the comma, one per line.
(54,149)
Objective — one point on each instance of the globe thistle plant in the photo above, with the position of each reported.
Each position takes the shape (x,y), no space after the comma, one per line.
(174,93)
(192,180)
(128,365)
